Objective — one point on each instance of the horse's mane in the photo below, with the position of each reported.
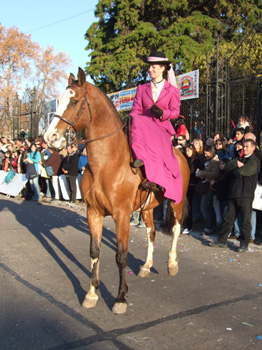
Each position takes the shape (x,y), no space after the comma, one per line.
(126,129)
(109,102)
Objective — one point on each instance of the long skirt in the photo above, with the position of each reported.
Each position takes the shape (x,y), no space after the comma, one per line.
(152,143)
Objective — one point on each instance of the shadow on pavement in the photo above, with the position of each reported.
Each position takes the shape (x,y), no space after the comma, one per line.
(58,217)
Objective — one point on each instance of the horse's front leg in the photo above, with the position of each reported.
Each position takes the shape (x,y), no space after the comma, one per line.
(172,262)
(151,235)
(95,222)
(122,235)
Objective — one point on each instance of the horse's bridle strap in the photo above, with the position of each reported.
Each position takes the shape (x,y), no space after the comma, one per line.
(66,121)
(108,135)
(80,111)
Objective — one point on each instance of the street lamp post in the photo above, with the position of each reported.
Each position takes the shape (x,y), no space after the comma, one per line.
(32,111)
(16,115)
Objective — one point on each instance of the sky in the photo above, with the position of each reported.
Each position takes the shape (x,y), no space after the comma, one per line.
(59,23)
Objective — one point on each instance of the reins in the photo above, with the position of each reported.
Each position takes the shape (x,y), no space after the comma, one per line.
(108,135)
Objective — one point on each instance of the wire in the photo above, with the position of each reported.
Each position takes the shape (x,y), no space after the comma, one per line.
(62,20)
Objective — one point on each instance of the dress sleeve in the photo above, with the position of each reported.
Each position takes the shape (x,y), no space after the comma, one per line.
(172,111)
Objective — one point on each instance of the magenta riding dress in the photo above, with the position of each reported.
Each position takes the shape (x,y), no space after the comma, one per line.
(151,137)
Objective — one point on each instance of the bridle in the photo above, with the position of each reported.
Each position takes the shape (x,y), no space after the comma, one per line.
(72,124)
(85,101)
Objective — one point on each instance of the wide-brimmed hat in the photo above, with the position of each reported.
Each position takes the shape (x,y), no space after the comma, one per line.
(157,57)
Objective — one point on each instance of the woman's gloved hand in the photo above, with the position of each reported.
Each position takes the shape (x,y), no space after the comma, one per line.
(157,111)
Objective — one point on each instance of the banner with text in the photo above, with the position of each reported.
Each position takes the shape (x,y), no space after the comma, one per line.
(188,84)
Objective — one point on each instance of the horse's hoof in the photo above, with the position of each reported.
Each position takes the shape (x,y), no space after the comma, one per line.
(144,272)
(173,270)
(88,303)
(119,308)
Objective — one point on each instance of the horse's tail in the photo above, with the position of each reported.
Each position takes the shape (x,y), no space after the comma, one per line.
(170,217)
(169,220)
(185,211)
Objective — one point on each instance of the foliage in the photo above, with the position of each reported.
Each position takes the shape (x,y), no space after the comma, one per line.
(50,71)
(16,52)
(22,60)
(186,30)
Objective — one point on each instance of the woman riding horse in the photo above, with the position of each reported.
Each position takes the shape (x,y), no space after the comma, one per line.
(154,105)
(109,185)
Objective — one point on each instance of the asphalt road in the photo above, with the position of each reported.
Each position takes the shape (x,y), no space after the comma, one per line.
(215,302)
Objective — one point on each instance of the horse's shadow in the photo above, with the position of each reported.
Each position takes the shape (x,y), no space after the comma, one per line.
(43,234)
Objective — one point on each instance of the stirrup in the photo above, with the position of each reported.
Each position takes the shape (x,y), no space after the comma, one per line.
(137,163)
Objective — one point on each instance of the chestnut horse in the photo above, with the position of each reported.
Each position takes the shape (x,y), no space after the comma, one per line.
(109,185)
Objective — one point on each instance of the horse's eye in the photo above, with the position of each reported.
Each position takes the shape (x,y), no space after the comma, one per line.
(74,102)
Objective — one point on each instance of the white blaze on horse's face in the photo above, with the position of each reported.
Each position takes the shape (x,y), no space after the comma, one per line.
(52,136)
(64,101)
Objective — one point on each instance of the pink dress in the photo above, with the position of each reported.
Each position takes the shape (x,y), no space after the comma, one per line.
(151,137)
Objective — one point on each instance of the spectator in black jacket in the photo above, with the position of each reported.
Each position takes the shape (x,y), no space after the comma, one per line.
(221,186)
(244,172)
(70,169)
(257,153)
(194,164)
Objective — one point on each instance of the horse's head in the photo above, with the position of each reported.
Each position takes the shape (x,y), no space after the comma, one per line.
(71,105)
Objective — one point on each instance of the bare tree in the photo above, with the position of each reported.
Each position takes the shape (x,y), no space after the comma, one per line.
(17,53)
(24,63)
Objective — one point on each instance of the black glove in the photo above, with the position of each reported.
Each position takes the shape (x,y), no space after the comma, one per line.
(157,111)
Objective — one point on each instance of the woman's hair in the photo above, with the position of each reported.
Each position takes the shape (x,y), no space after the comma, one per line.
(223,142)
(247,120)
(211,150)
(34,155)
(166,70)
(193,149)
(239,143)
(8,153)
(31,140)
(200,142)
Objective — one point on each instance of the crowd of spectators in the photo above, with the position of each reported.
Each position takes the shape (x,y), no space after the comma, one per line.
(208,158)
(18,154)
(212,180)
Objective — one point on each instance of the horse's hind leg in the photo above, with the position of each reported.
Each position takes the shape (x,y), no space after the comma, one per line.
(177,215)
(95,222)
(151,234)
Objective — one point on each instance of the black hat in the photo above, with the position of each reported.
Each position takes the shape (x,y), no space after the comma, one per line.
(157,57)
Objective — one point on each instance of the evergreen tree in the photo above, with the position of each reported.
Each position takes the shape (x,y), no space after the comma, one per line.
(186,30)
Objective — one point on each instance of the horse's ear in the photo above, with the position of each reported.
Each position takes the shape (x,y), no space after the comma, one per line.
(71,79)
(81,77)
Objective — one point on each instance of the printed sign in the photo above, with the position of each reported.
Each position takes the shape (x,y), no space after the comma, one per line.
(123,100)
(14,186)
(189,85)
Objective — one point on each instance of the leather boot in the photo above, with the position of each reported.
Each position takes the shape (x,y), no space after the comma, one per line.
(137,163)
(150,186)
